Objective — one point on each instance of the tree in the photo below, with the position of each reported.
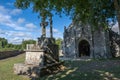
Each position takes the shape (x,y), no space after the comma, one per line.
(97,13)
(58,42)
(3,42)
(24,43)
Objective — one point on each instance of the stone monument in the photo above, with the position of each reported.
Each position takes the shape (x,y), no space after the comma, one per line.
(43,53)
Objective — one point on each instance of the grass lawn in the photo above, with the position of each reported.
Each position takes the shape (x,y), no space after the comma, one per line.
(75,70)
(7,49)
(6,68)
(88,70)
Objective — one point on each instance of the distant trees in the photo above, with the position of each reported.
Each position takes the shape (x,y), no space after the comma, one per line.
(58,42)
(24,43)
(3,42)
(4,45)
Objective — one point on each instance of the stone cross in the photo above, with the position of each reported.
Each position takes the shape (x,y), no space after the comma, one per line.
(43,24)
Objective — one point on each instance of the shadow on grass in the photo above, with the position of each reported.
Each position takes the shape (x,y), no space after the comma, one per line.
(87,70)
(108,75)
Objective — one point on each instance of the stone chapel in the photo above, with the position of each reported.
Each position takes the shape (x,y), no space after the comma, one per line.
(79,40)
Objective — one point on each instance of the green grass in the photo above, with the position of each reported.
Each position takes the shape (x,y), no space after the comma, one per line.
(88,70)
(7,49)
(75,70)
(6,68)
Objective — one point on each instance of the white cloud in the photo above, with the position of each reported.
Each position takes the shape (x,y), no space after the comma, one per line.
(18,29)
(56,33)
(10,4)
(20,20)
(3,10)
(18,34)
(6,20)
(16,11)
(15,40)
(10,11)
(15,26)
(28,38)
(30,25)
(18,40)
(55,30)
(2,32)
(16,37)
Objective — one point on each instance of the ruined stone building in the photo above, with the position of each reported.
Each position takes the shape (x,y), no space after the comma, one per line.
(80,40)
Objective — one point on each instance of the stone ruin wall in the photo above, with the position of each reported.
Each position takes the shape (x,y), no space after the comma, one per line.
(69,40)
(101,44)
(72,36)
(98,40)
(83,32)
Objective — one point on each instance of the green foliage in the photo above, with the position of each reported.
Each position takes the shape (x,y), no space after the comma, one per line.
(24,43)
(3,42)
(9,45)
(94,12)
(5,46)
(7,49)
(58,42)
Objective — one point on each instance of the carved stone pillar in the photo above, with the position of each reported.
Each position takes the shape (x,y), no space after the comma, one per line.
(51,25)
(43,24)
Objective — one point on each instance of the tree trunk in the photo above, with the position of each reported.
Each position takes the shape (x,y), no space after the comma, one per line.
(117,8)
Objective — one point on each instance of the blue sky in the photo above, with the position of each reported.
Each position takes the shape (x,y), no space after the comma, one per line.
(17,24)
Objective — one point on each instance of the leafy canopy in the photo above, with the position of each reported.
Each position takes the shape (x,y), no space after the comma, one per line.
(94,12)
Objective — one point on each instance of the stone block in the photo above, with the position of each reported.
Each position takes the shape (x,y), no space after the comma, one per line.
(20,68)
(34,58)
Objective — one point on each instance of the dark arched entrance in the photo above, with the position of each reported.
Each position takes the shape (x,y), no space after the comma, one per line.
(84,48)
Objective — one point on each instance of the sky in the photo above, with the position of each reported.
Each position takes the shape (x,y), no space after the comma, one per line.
(17,25)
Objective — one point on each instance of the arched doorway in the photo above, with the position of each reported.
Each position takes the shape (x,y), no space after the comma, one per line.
(84,48)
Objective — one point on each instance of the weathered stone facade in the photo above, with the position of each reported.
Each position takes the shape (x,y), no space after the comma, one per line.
(81,40)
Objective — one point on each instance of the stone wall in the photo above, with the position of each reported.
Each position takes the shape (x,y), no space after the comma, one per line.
(72,37)
(101,47)
(69,42)
(83,32)
(98,40)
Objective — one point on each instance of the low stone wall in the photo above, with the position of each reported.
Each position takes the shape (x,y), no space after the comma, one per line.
(7,54)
